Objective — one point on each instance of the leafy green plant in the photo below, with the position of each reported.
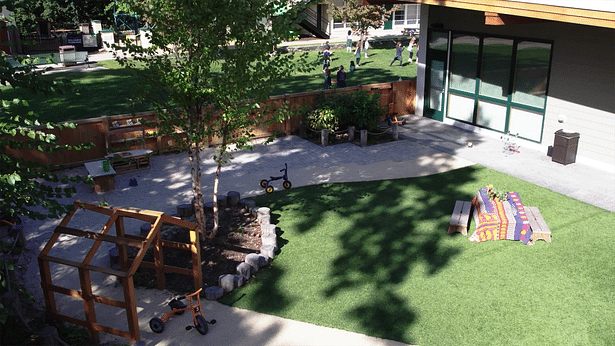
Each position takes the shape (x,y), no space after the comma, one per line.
(323,118)
(359,109)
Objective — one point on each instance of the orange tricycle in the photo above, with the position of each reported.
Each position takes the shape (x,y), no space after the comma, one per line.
(178,308)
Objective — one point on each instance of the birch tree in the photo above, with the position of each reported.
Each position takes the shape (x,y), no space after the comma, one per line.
(211,65)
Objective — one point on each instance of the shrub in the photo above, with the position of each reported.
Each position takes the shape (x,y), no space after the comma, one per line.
(359,109)
(323,118)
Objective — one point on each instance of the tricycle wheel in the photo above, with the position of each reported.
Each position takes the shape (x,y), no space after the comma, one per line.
(201,325)
(287,184)
(156,325)
(269,189)
(264,183)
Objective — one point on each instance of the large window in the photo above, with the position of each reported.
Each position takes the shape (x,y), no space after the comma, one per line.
(499,83)
(532,73)
(408,15)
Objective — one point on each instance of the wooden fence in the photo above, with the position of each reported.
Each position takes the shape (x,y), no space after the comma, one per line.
(400,95)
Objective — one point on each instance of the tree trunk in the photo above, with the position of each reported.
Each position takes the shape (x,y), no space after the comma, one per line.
(219,160)
(214,231)
(195,172)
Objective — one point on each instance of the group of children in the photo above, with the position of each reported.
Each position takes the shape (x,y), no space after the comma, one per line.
(341,74)
(399,49)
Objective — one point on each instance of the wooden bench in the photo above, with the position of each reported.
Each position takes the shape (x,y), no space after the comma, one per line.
(460,220)
(539,227)
(103,181)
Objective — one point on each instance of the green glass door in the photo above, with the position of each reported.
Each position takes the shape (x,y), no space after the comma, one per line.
(436,75)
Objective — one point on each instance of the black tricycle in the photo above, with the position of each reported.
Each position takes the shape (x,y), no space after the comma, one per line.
(266,184)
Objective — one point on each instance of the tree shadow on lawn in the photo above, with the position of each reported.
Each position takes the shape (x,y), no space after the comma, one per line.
(381,232)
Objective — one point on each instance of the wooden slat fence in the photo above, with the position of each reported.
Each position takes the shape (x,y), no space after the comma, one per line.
(402,93)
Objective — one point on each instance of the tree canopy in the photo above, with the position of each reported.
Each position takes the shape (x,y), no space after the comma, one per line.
(361,17)
(60,12)
(210,67)
(26,185)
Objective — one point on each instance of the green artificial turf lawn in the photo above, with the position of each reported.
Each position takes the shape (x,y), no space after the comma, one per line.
(110,92)
(375,258)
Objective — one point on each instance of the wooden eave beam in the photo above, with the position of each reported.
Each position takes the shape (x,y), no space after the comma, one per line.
(492,18)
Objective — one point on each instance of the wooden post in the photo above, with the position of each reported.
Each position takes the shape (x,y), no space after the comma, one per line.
(197,273)
(88,304)
(363,138)
(395,131)
(324,137)
(131,308)
(350,133)
(159,261)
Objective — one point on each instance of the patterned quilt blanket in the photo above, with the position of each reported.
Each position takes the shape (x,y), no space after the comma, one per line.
(501,219)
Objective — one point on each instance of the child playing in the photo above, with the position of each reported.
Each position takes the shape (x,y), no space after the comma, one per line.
(327,78)
(411,49)
(398,51)
(352,67)
(357,54)
(341,77)
(326,58)
(349,41)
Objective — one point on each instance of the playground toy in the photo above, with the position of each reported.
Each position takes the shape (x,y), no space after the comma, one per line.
(178,308)
(509,142)
(266,184)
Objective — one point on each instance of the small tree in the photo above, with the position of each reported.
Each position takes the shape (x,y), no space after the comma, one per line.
(211,65)
(361,17)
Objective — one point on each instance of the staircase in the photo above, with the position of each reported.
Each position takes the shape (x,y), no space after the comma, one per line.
(314,23)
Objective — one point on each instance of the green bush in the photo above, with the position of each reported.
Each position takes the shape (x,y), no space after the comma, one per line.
(359,109)
(323,118)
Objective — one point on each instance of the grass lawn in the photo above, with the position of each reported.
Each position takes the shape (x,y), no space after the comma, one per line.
(110,92)
(375,258)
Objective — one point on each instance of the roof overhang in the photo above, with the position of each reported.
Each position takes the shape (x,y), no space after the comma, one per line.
(501,12)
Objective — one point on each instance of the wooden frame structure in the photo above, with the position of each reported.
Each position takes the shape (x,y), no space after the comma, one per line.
(128,266)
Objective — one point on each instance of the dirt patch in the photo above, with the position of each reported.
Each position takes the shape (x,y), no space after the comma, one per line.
(239,234)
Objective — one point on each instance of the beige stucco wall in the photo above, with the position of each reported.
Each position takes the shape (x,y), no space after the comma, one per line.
(581,82)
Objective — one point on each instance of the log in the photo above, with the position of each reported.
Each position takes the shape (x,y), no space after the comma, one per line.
(254,211)
(49,336)
(263,215)
(363,139)
(270,239)
(262,260)
(221,201)
(268,251)
(145,228)
(244,270)
(324,137)
(227,282)
(247,204)
(252,260)
(185,210)
(114,258)
(268,228)
(232,199)
(264,219)
(239,280)
(213,292)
